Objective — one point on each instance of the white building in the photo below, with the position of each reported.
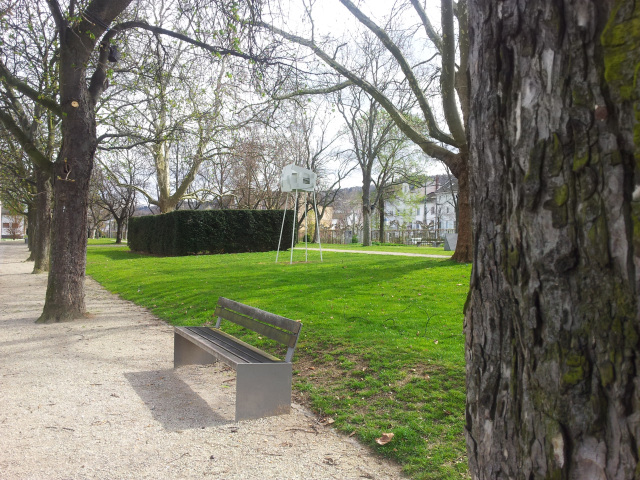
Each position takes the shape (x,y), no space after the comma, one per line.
(429,207)
(12,224)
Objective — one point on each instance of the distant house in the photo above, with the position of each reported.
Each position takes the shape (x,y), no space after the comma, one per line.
(13,225)
(429,207)
(440,205)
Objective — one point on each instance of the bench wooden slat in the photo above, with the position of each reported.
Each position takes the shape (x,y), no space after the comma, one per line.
(281,336)
(208,346)
(283,323)
(229,347)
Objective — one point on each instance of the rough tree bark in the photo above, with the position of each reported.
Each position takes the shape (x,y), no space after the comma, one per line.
(552,318)
(72,171)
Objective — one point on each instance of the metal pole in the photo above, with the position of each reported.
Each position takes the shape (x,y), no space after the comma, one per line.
(284,215)
(306,228)
(295,220)
(315,207)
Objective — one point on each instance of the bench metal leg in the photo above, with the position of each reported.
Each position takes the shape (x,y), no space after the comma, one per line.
(187,353)
(263,390)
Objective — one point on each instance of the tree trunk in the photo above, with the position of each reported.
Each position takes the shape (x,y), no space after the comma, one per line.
(42,230)
(30,228)
(71,174)
(381,207)
(552,319)
(464,246)
(119,223)
(366,211)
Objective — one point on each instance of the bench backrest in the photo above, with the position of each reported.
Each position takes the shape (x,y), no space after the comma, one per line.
(275,327)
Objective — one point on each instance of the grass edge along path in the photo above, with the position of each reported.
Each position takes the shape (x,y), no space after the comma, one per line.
(382,347)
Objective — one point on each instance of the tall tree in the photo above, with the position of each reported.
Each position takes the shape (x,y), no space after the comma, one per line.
(85,32)
(553,319)
(30,47)
(431,134)
(373,135)
(175,109)
(115,191)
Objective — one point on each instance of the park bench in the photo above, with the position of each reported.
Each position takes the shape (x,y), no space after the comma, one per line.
(263,382)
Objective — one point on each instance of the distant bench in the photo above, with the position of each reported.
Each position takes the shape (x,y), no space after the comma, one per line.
(263,383)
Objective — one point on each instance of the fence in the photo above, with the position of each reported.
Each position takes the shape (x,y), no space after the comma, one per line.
(403,236)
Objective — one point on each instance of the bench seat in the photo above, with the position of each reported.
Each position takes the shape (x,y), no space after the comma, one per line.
(263,382)
(225,347)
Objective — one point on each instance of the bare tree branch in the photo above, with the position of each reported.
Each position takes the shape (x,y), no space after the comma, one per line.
(314,91)
(56,13)
(431,33)
(447,76)
(429,147)
(25,142)
(25,89)
(185,38)
(432,125)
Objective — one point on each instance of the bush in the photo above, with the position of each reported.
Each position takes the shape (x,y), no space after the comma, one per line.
(354,239)
(189,232)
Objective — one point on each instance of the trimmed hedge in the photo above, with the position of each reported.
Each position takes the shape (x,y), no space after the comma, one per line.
(190,232)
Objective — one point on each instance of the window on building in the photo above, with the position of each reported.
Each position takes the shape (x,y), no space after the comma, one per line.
(418,212)
(433,210)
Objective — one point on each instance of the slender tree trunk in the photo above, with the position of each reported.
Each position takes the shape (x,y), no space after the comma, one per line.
(119,223)
(42,230)
(381,207)
(30,228)
(552,320)
(366,211)
(464,246)
(316,230)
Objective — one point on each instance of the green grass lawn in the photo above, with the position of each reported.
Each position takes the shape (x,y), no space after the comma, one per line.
(381,350)
(380,248)
(104,241)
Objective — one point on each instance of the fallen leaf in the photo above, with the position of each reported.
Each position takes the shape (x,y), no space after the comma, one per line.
(384,439)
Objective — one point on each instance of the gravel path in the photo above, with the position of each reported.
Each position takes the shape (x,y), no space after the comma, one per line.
(99,399)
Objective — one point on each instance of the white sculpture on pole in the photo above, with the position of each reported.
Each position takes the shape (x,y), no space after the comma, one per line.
(298,179)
